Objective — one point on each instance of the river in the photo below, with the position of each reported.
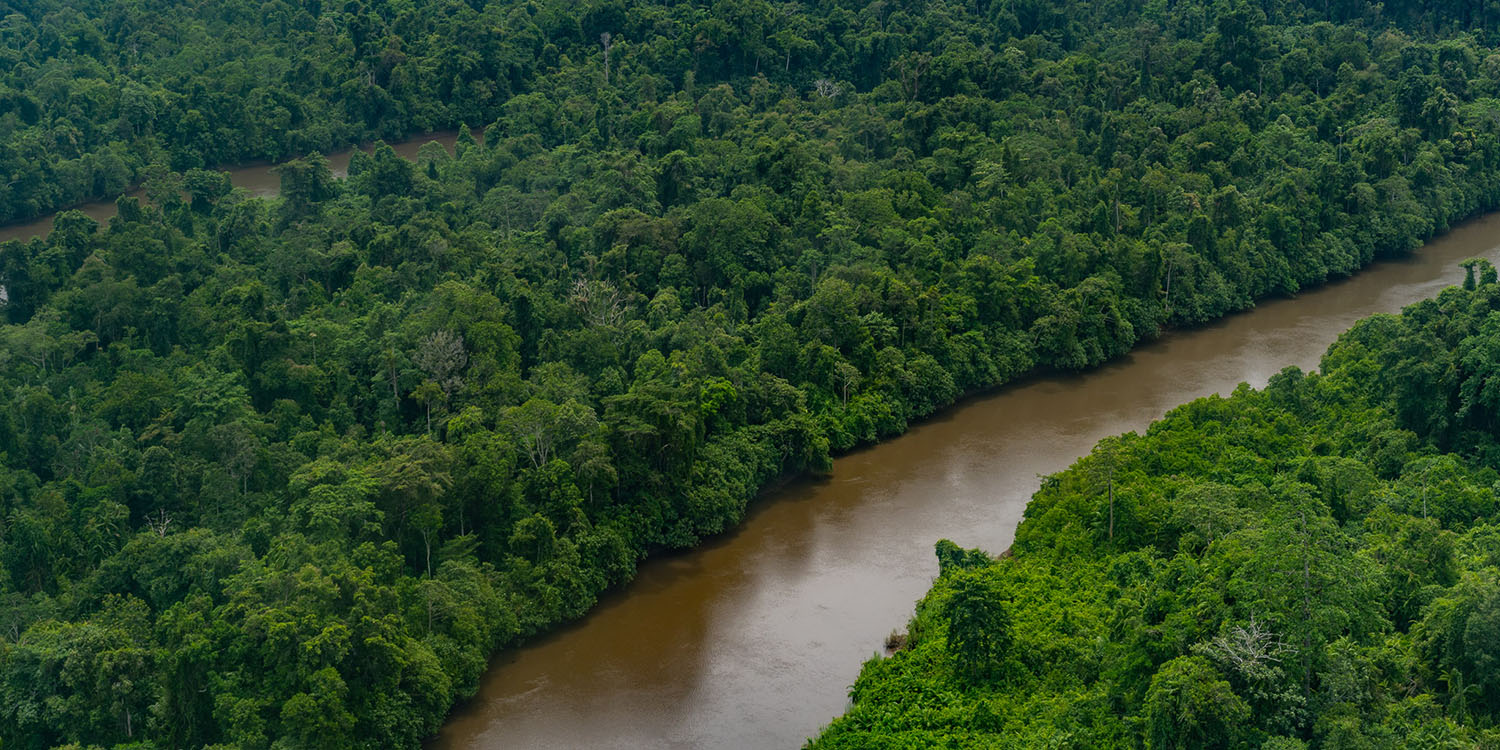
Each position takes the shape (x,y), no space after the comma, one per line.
(752,640)
(257,178)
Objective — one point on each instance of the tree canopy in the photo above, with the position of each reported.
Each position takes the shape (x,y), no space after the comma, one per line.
(283,473)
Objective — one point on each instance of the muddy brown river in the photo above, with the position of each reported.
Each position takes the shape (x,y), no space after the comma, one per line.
(752,640)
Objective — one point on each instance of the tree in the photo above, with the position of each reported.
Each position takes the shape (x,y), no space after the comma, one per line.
(1479,373)
(540,426)
(1304,580)
(534,537)
(412,482)
(441,356)
(305,184)
(1107,459)
(979,629)
(598,302)
(952,558)
(606,41)
(1461,632)
(319,716)
(1190,705)
(237,447)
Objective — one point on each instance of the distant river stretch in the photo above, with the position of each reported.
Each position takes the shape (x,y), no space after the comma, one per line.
(258,179)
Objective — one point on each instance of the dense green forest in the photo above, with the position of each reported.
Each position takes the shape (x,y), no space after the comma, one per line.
(284,473)
(95,93)
(1315,564)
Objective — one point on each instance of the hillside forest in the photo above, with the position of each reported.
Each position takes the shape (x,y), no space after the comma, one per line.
(284,473)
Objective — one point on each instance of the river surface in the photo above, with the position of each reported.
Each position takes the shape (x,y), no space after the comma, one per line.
(257,178)
(752,640)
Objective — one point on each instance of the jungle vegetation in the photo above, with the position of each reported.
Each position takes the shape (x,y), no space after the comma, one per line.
(284,473)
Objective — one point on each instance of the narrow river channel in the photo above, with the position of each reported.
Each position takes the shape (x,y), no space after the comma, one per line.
(257,178)
(752,640)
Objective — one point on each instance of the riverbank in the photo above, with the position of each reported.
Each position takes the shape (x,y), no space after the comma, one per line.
(1324,475)
(801,543)
(826,567)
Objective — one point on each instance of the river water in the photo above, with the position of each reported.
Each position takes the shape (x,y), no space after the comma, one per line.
(752,640)
(257,178)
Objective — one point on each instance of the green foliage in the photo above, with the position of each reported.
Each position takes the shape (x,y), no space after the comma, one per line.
(978,625)
(1189,705)
(273,470)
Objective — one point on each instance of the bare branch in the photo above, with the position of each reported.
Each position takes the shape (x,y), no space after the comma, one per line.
(1247,647)
(598,302)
